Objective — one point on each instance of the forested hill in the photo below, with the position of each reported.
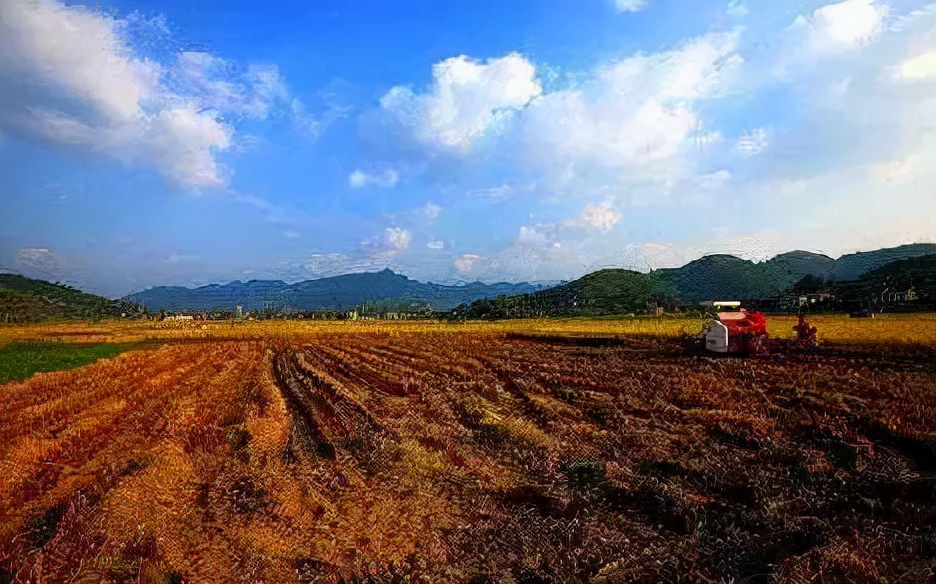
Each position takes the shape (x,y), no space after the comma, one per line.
(618,291)
(27,300)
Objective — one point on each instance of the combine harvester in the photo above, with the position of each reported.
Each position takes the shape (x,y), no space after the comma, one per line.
(734,330)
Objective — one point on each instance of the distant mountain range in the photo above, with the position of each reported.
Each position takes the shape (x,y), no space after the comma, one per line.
(605,291)
(612,291)
(385,289)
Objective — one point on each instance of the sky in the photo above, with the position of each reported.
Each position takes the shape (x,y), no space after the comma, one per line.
(188,143)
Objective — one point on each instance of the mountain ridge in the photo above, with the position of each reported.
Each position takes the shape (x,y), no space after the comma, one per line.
(713,277)
(342,292)
(612,290)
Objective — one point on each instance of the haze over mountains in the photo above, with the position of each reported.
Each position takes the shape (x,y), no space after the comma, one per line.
(714,276)
(335,293)
(610,291)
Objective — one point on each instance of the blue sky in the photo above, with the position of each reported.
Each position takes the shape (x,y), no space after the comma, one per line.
(195,142)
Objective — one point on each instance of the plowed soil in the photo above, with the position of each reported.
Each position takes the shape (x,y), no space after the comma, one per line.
(475,457)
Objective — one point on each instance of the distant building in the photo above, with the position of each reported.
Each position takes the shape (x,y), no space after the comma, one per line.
(179,317)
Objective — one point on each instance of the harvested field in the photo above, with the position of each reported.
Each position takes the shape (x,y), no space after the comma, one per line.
(472,454)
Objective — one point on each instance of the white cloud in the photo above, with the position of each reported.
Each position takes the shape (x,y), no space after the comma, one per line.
(255,92)
(841,27)
(431,210)
(753,142)
(629,5)
(436,244)
(467,99)
(540,235)
(637,115)
(325,265)
(632,112)
(70,79)
(466,262)
(643,134)
(922,66)
(599,217)
(383,178)
(397,238)
(38,260)
(668,255)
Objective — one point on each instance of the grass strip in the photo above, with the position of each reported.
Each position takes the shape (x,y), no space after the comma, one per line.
(20,359)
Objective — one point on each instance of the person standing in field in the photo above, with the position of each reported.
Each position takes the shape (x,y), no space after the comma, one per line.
(805,334)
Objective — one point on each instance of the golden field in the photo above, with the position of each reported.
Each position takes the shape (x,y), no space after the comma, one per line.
(516,451)
(837,328)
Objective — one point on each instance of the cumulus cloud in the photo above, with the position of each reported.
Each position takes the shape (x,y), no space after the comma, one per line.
(41,261)
(625,115)
(922,66)
(383,178)
(632,112)
(540,235)
(467,99)
(599,217)
(397,238)
(70,79)
(841,27)
(436,244)
(839,111)
(466,262)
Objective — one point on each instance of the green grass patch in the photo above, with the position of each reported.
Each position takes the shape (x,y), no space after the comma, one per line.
(19,360)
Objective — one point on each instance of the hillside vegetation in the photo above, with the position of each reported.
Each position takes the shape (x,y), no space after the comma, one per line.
(876,287)
(714,277)
(27,300)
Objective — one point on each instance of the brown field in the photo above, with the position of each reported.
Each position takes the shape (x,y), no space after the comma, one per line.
(515,452)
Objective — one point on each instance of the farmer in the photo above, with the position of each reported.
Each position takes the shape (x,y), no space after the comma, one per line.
(805,334)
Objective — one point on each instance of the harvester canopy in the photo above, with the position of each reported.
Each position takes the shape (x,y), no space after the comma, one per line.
(734,331)
(744,322)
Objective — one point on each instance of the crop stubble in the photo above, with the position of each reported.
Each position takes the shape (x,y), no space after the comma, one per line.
(472,456)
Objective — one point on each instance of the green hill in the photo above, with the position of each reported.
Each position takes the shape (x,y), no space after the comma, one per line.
(605,292)
(718,277)
(887,287)
(26,300)
(852,266)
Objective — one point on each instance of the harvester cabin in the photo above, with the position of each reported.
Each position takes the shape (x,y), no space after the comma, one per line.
(733,329)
